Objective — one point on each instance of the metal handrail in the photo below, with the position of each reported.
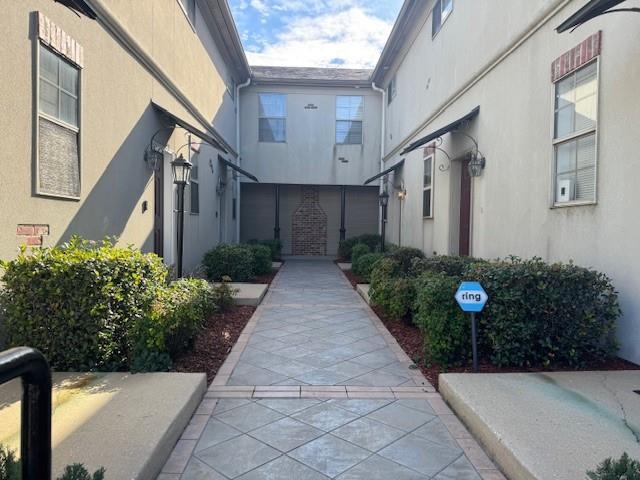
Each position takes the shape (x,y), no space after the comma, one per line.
(35,438)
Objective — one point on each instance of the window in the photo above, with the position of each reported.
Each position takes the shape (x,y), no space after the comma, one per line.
(427,188)
(194,186)
(349,111)
(189,9)
(272,126)
(391,90)
(58,126)
(441,11)
(576,102)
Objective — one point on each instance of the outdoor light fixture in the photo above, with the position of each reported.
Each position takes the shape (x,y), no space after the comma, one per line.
(384,202)
(181,169)
(476,164)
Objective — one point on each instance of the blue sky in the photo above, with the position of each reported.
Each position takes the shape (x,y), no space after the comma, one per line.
(314,33)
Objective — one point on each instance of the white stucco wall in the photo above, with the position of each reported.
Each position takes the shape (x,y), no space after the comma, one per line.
(511,201)
(310,155)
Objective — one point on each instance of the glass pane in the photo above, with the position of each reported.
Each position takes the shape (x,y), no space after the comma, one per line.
(565,92)
(566,157)
(272,105)
(426,203)
(48,99)
(565,187)
(68,109)
(195,197)
(348,132)
(427,172)
(435,18)
(586,184)
(564,121)
(69,78)
(349,107)
(48,65)
(586,151)
(585,114)
(447,7)
(586,81)
(271,130)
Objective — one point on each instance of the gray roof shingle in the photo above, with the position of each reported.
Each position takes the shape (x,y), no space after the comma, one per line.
(311,75)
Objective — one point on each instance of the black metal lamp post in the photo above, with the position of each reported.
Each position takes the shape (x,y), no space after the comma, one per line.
(181,169)
(384,201)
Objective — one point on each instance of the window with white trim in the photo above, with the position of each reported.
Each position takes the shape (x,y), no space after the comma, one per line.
(575,124)
(441,11)
(194,185)
(391,90)
(272,121)
(58,126)
(349,114)
(427,187)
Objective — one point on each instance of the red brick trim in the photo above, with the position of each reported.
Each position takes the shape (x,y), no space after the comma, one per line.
(32,234)
(578,56)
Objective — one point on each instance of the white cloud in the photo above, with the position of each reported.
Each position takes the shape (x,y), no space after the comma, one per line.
(344,35)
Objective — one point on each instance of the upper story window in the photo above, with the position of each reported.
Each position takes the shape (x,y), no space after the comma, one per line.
(391,90)
(575,124)
(272,121)
(189,9)
(349,113)
(58,126)
(427,187)
(441,11)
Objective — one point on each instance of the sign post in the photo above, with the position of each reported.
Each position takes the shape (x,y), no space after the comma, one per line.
(471,297)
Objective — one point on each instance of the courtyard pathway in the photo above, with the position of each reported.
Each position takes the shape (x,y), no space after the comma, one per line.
(317,388)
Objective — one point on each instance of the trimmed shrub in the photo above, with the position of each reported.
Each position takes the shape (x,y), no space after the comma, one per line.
(371,240)
(390,290)
(541,314)
(358,250)
(80,303)
(623,468)
(261,259)
(445,327)
(11,468)
(405,257)
(449,264)
(275,246)
(363,265)
(234,261)
(223,294)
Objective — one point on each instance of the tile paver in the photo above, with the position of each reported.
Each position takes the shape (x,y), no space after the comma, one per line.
(317,389)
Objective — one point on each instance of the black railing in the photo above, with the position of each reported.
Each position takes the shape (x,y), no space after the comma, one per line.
(35,440)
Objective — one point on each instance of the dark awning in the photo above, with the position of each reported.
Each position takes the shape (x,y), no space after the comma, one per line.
(210,139)
(79,6)
(438,133)
(233,166)
(386,172)
(592,10)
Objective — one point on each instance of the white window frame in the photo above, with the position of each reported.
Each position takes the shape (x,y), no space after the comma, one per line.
(438,4)
(74,128)
(431,157)
(279,118)
(349,120)
(571,137)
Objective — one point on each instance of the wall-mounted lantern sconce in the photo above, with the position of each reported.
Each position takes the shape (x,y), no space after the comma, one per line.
(476,164)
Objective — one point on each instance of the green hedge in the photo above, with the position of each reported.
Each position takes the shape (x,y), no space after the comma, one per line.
(390,289)
(358,250)
(261,259)
(80,303)
(546,314)
(373,241)
(230,260)
(448,264)
(405,257)
(364,264)
(275,246)
(444,326)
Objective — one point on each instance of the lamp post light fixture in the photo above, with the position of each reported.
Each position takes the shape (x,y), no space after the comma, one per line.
(384,202)
(476,164)
(181,170)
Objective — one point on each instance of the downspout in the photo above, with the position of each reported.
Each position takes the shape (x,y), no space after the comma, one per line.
(383,95)
(238,87)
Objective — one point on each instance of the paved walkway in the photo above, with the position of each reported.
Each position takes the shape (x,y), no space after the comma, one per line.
(317,388)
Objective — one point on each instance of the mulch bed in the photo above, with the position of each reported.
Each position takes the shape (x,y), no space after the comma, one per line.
(410,339)
(266,278)
(214,342)
(353,278)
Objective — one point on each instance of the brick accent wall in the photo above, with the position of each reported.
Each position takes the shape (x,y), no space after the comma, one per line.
(309,220)
(581,54)
(31,234)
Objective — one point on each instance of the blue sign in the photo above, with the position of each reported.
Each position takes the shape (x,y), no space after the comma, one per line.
(471,297)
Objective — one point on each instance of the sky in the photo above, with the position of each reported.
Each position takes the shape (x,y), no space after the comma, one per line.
(314,33)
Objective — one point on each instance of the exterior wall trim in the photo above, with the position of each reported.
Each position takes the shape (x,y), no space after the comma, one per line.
(534,26)
(113,26)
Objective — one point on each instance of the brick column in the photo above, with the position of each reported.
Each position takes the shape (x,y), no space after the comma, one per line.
(309,225)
